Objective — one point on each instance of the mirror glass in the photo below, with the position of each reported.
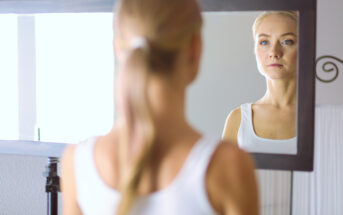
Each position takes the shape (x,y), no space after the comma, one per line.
(247,89)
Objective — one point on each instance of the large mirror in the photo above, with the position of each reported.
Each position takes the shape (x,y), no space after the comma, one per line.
(294,143)
(233,76)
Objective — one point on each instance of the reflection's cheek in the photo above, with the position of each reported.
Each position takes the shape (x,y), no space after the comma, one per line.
(293,58)
(260,66)
(262,69)
(292,66)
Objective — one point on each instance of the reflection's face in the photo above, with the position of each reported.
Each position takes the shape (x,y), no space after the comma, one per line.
(276,47)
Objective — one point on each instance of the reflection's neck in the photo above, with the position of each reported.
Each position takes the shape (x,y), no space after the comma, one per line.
(281,92)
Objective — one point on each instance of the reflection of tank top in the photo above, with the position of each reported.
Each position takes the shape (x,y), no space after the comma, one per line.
(186,194)
(249,141)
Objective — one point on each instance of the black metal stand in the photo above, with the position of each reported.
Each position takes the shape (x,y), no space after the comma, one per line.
(52,186)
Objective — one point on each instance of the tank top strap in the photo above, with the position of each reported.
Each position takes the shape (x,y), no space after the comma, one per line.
(193,176)
(89,184)
(244,131)
(200,156)
(85,165)
(83,158)
(246,113)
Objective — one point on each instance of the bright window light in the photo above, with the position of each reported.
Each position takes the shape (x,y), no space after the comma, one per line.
(8,78)
(75,68)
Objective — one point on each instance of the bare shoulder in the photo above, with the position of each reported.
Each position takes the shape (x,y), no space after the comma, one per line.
(235,114)
(231,181)
(234,118)
(232,124)
(232,159)
(68,184)
(67,169)
(67,163)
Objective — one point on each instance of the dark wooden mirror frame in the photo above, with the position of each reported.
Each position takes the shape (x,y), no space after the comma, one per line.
(306,56)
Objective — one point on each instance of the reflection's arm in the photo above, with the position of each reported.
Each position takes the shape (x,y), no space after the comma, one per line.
(68,186)
(232,124)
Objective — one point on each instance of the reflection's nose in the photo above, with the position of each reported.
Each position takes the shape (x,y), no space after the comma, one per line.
(275,51)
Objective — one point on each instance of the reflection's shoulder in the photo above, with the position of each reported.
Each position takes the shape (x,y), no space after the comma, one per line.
(234,116)
(235,112)
(232,123)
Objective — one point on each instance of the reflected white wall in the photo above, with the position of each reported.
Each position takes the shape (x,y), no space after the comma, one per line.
(228,75)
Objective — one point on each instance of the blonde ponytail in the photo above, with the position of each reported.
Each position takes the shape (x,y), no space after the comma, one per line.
(139,128)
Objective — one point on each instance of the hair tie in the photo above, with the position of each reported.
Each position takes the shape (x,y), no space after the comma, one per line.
(138,42)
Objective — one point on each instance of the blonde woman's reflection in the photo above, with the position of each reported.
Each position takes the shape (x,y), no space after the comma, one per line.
(268,125)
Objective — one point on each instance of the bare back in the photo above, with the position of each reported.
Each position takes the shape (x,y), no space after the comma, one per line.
(159,172)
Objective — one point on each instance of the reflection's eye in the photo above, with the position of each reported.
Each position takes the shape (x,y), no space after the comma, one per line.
(263,42)
(288,42)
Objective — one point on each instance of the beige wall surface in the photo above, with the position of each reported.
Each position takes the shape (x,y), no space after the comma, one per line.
(329,43)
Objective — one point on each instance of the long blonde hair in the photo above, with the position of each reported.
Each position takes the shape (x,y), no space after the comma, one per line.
(162,27)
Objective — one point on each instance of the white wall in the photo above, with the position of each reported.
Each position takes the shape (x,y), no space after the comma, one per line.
(22,185)
(330,42)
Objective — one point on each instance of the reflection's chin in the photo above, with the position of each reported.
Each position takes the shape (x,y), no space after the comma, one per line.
(278,73)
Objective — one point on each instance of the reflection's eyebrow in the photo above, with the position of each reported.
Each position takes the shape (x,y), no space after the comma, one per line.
(263,35)
(290,33)
(285,34)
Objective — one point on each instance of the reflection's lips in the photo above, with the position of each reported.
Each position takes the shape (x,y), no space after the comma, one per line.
(275,65)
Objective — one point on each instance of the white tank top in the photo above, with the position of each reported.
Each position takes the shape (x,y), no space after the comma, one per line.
(186,194)
(249,141)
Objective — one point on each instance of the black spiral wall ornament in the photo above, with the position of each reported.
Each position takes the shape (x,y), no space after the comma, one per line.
(327,64)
